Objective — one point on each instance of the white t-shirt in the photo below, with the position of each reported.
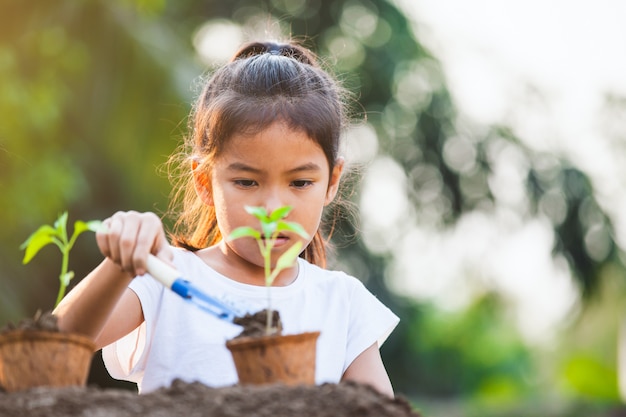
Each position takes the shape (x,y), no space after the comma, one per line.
(178,340)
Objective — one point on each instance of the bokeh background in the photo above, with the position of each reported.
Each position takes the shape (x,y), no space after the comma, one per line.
(488,144)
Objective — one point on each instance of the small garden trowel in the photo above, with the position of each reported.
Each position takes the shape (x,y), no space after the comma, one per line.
(173,280)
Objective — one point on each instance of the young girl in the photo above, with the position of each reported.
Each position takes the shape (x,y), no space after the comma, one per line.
(265,132)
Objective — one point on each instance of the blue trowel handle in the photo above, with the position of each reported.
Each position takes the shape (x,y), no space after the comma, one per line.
(172,279)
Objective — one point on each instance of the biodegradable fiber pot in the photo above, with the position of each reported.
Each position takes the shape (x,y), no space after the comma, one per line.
(287,359)
(32,358)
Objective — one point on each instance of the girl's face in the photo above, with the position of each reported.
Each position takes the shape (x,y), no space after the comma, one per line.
(273,168)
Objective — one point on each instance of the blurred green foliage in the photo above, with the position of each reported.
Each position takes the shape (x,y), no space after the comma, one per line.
(94,95)
(474,353)
(592,377)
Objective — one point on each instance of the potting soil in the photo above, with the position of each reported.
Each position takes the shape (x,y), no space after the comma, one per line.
(194,400)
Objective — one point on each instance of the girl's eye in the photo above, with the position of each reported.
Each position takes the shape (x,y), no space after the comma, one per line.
(301,183)
(245,183)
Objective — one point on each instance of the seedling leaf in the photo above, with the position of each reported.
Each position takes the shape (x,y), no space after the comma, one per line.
(79,227)
(292,227)
(271,225)
(244,231)
(57,234)
(287,259)
(40,238)
(95,226)
(61,223)
(280,213)
(258,212)
(268,229)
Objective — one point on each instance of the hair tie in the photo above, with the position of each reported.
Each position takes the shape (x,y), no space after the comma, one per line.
(287,50)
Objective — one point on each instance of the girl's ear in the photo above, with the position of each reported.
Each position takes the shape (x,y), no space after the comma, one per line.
(202,182)
(333,183)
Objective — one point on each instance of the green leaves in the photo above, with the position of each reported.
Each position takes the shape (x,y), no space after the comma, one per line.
(287,259)
(42,237)
(272,225)
(280,213)
(93,226)
(258,212)
(57,235)
(291,227)
(244,231)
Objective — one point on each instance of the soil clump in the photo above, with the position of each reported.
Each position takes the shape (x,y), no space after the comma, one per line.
(254,324)
(40,321)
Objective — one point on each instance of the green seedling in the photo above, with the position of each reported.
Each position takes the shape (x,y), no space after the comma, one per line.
(272,225)
(57,234)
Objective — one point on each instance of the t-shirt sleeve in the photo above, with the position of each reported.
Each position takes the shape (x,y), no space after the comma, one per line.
(370,321)
(125,358)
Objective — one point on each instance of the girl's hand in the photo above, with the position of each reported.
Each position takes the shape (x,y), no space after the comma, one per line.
(129,237)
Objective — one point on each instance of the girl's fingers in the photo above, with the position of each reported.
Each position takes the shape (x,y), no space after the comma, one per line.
(129,238)
(102,238)
(108,239)
(150,239)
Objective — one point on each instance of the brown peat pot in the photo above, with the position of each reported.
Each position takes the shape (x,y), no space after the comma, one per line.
(286,359)
(33,358)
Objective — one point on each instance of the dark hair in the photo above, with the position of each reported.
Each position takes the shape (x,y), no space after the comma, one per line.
(263,82)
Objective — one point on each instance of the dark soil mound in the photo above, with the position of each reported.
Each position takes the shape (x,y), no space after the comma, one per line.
(255,324)
(191,400)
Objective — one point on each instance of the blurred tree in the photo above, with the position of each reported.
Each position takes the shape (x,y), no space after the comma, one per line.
(88,113)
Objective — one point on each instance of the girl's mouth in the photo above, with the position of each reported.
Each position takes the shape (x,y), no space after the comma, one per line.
(280,240)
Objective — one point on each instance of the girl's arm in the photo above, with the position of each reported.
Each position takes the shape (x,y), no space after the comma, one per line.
(101,306)
(368,368)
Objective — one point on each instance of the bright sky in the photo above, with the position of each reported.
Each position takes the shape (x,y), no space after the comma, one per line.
(571,53)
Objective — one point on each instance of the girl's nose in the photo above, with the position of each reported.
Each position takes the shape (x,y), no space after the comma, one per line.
(272,201)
